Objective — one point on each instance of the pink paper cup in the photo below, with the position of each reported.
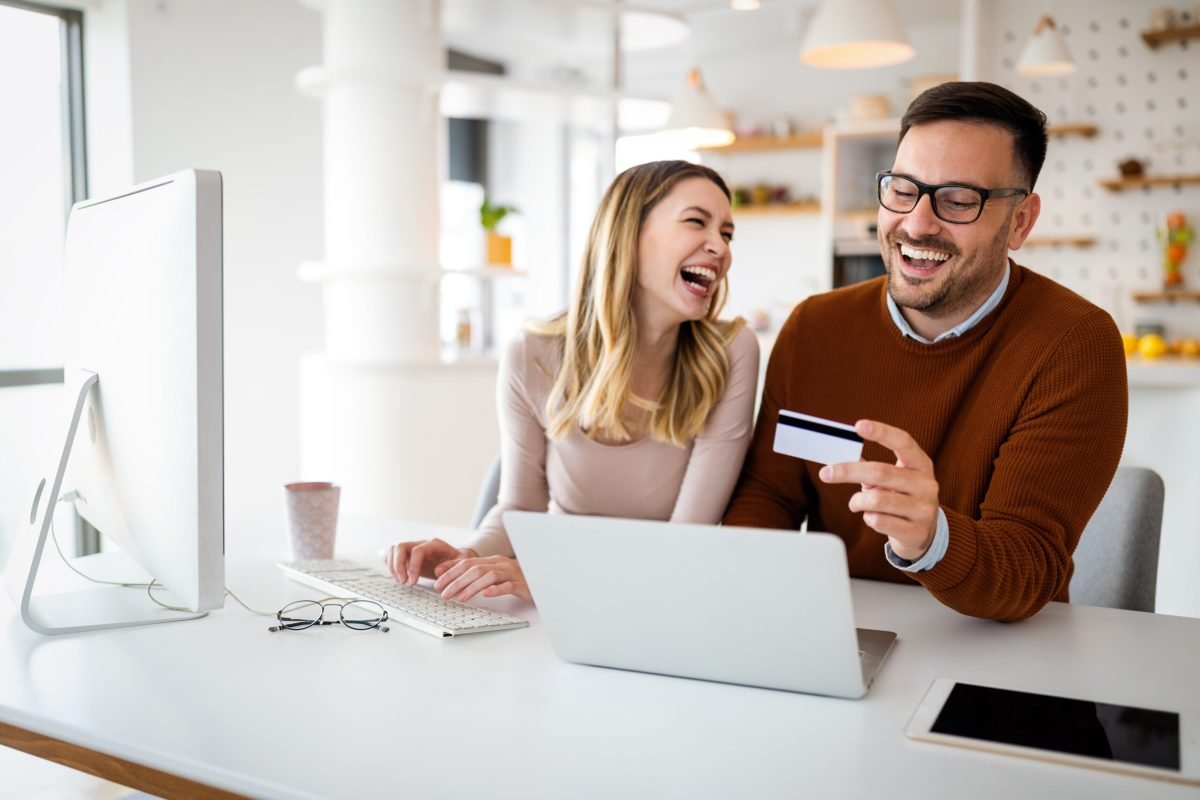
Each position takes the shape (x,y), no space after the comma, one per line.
(311,511)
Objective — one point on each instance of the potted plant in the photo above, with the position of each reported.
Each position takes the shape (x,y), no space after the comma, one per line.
(499,247)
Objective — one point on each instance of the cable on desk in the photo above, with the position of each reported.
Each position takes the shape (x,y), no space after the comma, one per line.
(149,587)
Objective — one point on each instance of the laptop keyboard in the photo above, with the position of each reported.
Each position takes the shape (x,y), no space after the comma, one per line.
(415,606)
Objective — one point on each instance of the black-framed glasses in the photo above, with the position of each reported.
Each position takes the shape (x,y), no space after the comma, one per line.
(955,203)
(360,615)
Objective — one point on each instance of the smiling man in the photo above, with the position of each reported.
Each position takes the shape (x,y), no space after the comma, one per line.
(993,401)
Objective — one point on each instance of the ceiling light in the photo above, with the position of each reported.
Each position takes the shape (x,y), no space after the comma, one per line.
(745,5)
(646,29)
(1045,53)
(855,34)
(695,118)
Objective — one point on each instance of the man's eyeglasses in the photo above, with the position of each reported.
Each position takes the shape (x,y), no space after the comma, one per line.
(360,615)
(952,202)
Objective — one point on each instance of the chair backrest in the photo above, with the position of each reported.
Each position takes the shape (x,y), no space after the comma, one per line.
(489,491)
(1116,563)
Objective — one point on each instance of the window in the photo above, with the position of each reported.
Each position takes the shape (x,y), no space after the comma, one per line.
(42,164)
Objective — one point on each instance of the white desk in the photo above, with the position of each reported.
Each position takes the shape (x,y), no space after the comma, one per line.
(333,713)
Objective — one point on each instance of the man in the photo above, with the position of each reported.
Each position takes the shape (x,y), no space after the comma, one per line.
(993,401)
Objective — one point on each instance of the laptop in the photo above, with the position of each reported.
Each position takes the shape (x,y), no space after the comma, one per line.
(737,605)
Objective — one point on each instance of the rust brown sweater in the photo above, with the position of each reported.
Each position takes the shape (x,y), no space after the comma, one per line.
(1023,415)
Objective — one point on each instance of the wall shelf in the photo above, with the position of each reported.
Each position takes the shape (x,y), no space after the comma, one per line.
(748,144)
(771,209)
(814,139)
(1085,129)
(1168,296)
(1060,241)
(1118,184)
(1154,38)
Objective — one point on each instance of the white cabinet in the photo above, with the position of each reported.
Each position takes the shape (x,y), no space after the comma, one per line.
(852,156)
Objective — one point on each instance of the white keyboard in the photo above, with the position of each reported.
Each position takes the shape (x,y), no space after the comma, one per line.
(415,606)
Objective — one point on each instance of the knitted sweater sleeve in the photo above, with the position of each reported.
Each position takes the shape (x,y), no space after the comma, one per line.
(1050,474)
(768,493)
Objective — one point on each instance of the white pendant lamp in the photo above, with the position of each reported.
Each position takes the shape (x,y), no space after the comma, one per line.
(855,34)
(695,118)
(1045,53)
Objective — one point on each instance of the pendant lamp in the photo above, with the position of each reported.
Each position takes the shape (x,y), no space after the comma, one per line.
(855,34)
(695,117)
(1045,53)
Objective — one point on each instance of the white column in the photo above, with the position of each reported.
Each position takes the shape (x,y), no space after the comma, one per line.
(383,60)
(403,434)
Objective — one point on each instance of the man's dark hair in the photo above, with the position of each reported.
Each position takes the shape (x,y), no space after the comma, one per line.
(977,101)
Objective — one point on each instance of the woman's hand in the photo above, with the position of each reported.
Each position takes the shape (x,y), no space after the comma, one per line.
(490,576)
(411,561)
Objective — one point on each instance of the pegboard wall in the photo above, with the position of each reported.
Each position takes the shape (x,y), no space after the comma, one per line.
(1146,105)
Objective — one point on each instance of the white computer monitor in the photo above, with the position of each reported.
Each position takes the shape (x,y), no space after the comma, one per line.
(143,459)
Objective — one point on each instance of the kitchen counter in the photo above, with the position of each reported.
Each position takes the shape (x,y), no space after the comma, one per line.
(1164,435)
(1164,373)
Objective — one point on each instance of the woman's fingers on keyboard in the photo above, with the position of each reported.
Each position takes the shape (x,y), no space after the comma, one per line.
(517,588)
(467,578)
(484,578)
(497,589)
(407,561)
(397,559)
(452,572)
(426,556)
(441,568)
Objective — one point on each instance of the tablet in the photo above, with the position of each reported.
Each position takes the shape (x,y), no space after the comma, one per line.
(1147,742)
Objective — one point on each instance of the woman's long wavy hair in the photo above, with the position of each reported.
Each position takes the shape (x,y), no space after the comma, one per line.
(599,332)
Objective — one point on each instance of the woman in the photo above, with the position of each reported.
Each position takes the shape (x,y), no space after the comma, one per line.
(637,401)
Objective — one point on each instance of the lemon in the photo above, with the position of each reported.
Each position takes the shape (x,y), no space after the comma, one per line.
(1131,343)
(1152,346)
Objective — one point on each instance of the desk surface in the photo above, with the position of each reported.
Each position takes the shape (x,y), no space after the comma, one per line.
(334,713)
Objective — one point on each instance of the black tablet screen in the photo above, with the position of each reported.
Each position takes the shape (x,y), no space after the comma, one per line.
(1099,730)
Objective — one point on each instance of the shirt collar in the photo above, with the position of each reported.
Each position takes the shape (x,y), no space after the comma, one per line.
(958,330)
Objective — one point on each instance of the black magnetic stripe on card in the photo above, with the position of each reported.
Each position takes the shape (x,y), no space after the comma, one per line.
(817,427)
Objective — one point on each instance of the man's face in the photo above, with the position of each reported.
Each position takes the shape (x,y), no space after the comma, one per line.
(940,272)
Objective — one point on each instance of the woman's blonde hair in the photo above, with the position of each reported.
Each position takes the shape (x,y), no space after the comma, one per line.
(599,333)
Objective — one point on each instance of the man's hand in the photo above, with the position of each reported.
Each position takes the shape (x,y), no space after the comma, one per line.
(899,501)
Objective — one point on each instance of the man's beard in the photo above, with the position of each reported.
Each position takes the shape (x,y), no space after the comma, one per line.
(965,286)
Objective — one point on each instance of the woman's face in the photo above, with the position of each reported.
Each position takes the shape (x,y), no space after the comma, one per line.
(683,253)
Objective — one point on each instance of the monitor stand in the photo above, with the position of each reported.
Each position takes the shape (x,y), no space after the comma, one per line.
(95,609)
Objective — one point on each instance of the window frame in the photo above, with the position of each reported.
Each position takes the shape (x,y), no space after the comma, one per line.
(74,138)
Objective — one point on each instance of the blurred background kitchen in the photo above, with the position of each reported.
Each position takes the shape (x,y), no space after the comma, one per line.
(367,289)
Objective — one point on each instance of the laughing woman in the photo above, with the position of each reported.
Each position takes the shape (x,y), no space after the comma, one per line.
(635,402)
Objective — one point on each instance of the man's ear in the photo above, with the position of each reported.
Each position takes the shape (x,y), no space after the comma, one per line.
(1022,220)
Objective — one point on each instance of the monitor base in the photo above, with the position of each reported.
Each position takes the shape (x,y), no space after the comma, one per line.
(72,612)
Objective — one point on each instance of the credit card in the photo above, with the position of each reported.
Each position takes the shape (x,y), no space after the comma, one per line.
(814,439)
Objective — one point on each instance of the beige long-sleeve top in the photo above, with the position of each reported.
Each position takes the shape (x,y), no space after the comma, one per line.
(645,479)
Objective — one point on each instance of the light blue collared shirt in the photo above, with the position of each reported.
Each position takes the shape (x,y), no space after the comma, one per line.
(941,537)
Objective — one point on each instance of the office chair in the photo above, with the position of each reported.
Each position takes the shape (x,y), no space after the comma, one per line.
(1116,562)
(489,491)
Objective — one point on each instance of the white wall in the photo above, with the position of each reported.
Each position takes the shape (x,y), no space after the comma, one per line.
(1146,105)
(210,84)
